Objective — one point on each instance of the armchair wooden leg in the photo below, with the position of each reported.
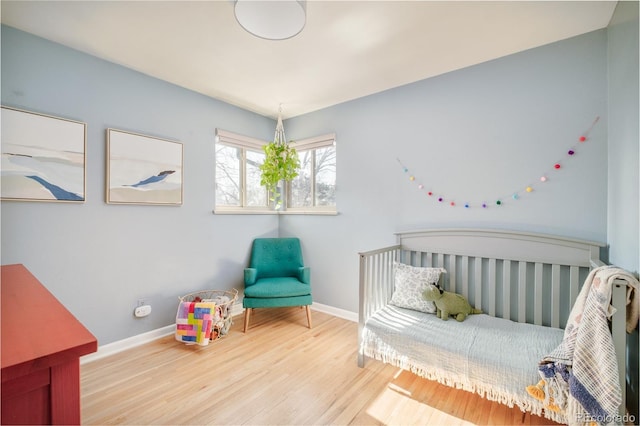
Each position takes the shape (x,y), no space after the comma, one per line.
(247,314)
(309,315)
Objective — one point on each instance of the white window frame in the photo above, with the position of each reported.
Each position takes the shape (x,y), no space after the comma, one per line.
(244,143)
(311,144)
(248,143)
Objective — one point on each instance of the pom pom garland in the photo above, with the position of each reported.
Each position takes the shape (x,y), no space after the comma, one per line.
(515,195)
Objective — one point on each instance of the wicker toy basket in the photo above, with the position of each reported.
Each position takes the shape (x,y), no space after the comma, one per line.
(224,301)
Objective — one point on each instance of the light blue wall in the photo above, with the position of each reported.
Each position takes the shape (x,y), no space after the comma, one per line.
(624,154)
(99,259)
(474,134)
(623,231)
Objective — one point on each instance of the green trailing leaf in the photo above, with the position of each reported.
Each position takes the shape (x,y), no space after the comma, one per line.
(281,163)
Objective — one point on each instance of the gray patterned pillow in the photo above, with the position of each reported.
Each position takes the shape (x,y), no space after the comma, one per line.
(410,282)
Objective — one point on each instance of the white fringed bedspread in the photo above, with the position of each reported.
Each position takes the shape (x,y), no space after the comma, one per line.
(493,357)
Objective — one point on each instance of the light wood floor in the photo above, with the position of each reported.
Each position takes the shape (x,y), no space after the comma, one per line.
(279,373)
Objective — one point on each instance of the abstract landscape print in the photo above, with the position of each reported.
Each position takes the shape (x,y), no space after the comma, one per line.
(43,157)
(143,169)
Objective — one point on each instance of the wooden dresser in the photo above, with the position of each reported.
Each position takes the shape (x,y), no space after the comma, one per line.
(42,343)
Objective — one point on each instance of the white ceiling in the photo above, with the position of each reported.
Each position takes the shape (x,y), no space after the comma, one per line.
(348,49)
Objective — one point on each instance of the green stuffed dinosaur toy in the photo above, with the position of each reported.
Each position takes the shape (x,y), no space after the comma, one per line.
(448,303)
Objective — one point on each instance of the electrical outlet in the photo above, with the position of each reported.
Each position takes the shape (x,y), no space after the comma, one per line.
(142,311)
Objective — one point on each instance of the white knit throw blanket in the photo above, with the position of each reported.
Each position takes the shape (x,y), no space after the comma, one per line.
(581,374)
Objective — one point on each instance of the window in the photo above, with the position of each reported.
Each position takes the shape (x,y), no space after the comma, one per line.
(238,189)
(238,160)
(315,186)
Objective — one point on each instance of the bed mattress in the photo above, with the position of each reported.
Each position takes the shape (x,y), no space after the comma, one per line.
(493,357)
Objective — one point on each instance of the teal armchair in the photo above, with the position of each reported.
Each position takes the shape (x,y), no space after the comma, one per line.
(276,277)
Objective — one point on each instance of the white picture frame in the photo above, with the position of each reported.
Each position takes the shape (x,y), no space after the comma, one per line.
(43,157)
(143,169)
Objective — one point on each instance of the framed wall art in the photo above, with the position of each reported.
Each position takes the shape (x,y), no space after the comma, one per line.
(143,169)
(43,157)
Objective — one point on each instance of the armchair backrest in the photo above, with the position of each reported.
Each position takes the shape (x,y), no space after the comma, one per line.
(276,257)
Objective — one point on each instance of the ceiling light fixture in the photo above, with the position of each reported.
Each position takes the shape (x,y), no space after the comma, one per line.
(271,19)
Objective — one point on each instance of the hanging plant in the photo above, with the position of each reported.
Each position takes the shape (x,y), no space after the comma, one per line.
(281,163)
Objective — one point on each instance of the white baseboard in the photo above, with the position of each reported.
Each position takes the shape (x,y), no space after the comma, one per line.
(237,309)
(336,312)
(149,336)
(128,343)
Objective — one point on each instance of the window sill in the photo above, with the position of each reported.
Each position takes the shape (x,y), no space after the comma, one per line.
(311,212)
(276,212)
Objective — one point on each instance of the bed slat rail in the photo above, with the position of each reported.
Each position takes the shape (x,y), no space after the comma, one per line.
(537,293)
(520,276)
(376,283)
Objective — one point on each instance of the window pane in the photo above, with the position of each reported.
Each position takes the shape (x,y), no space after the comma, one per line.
(256,193)
(300,194)
(325,176)
(227,175)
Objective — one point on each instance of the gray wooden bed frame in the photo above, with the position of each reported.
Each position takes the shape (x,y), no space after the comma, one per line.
(520,276)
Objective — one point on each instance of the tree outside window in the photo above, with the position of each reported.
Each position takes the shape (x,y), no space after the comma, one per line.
(315,185)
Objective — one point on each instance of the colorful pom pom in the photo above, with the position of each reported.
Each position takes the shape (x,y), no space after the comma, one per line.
(514,196)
